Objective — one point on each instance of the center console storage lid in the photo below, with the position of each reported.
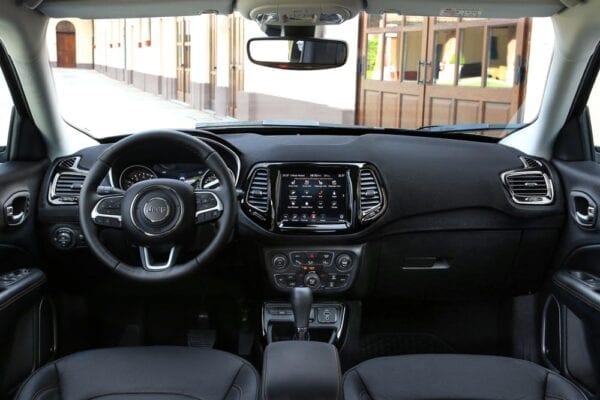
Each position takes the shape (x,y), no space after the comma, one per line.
(301,370)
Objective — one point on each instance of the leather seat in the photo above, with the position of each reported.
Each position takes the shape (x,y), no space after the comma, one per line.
(432,376)
(148,373)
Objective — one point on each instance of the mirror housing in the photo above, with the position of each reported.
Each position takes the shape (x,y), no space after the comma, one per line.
(297,54)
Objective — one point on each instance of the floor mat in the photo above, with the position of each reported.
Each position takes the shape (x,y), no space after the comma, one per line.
(392,344)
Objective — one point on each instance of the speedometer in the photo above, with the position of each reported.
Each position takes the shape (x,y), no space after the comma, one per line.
(134,174)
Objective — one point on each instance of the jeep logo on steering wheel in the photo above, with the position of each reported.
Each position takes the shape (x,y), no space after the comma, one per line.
(156,209)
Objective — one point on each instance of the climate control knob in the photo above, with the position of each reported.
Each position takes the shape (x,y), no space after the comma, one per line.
(312,280)
(279,261)
(343,262)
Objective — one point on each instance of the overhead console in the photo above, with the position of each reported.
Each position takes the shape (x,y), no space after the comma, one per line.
(314,197)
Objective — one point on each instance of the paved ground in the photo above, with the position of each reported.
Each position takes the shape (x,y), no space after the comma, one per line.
(106,107)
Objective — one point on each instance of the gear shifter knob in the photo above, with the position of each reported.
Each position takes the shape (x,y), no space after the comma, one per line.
(301,299)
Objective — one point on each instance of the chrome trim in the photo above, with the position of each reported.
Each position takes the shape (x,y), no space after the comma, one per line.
(208,170)
(236,175)
(147,264)
(52,197)
(218,207)
(547,199)
(96,214)
(133,204)
(238,162)
(363,215)
(130,167)
(342,322)
(544,349)
(250,180)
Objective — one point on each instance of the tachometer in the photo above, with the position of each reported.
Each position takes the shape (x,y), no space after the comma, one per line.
(134,174)
(210,180)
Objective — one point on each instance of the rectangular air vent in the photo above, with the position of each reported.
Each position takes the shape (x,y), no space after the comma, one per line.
(371,195)
(65,188)
(257,195)
(529,187)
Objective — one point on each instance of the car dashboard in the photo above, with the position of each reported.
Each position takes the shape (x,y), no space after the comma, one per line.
(353,215)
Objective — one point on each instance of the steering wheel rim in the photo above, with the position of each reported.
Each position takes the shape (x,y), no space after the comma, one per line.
(136,211)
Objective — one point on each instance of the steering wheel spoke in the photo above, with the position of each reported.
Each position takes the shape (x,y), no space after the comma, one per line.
(150,261)
(209,206)
(107,211)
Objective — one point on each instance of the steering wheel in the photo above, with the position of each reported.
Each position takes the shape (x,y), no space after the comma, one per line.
(157,215)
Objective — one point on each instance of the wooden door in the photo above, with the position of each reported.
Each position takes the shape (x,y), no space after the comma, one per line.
(184,48)
(391,90)
(419,71)
(236,62)
(66,50)
(474,72)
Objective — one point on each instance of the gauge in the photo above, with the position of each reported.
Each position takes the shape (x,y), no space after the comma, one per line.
(134,174)
(210,180)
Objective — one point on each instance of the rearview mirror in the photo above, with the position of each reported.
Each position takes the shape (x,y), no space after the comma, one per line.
(304,54)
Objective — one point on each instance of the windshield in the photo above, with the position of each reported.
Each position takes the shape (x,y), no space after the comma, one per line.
(122,76)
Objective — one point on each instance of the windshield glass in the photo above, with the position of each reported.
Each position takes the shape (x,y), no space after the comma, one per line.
(122,76)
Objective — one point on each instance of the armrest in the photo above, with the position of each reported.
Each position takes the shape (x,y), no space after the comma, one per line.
(583,286)
(301,370)
(17,289)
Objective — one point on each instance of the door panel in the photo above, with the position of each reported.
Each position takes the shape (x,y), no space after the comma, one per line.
(25,341)
(576,284)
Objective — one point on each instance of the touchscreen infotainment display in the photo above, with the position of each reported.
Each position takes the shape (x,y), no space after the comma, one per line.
(313,197)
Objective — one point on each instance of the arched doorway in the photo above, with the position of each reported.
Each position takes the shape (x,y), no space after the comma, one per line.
(65,45)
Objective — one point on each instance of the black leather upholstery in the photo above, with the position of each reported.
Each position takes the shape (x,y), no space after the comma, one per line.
(432,376)
(148,373)
(301,370)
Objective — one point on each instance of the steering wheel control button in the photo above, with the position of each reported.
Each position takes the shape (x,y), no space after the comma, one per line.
(208,207)
(157,210)
(343,262)
(107,212)
(328,315)
(279,261)
(110,206)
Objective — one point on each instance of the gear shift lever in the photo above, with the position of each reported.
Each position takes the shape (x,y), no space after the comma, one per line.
(301,299)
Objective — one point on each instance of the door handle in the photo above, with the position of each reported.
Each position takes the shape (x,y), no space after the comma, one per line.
(588,218)
(16,209)
(419,64)
(584,209)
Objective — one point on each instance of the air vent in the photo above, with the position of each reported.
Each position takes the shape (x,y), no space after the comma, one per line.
(257,196)
(529,187)
(371,195)
(65,188)
(529,162)
(69,163)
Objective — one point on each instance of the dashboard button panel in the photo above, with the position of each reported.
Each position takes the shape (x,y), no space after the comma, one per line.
(322,270)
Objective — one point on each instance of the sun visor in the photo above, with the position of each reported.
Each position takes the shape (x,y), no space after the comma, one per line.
(98,9)
(468,9)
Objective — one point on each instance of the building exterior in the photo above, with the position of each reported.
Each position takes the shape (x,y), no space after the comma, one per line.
(412,71)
